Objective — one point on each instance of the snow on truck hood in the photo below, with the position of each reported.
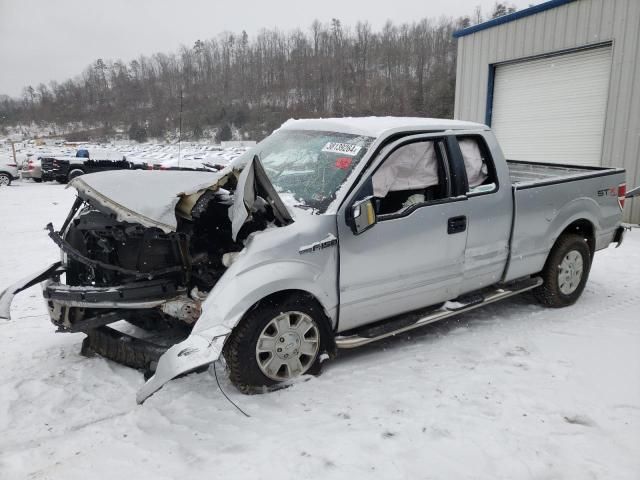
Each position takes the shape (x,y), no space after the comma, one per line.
(145,196)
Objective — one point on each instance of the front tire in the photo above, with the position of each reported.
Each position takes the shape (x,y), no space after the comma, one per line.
(276,342)
(565,273)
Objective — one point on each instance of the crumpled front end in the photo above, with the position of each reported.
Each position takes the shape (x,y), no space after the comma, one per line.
(138,263)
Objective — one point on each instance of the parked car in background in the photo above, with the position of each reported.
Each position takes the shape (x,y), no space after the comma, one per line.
(32,168)
(65,168)
(8,171)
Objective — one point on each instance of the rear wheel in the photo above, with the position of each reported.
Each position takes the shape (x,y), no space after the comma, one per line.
(565,272)
(276,342)
(5,179)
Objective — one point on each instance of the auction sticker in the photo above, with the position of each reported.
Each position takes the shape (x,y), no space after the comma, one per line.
(343,148)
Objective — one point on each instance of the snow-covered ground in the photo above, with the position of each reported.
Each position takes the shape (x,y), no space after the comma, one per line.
(510,391)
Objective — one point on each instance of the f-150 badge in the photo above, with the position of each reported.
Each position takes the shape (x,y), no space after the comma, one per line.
(330,241)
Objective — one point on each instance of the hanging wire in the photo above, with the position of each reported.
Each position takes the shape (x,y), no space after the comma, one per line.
(215,372)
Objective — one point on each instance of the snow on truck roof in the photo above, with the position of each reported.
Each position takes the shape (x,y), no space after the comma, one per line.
(376,126)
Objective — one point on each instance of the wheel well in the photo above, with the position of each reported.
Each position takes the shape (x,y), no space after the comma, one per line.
(584,228)
(278,297)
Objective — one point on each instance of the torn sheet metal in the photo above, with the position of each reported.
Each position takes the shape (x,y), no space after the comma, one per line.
(198,350)
(253,185)
(6,297)
(141,196)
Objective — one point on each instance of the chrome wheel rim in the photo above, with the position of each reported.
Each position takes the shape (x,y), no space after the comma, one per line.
(570,272)
(4,180)
(287,346)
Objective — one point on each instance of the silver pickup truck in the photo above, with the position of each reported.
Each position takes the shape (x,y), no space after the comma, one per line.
(329,234)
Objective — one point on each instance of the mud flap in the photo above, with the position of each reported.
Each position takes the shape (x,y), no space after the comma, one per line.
(6,297)
(199,349)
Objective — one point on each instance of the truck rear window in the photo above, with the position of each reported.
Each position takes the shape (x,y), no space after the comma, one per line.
(478,165)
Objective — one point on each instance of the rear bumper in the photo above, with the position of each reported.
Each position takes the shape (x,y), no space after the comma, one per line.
(30,174)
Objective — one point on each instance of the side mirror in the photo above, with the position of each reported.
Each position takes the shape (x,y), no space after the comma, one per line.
(363,214)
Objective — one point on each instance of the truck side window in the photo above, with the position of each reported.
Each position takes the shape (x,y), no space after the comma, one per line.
(477,164)
(411,174)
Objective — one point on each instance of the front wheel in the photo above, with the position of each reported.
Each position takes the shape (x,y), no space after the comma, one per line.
(276,342)
(565,273)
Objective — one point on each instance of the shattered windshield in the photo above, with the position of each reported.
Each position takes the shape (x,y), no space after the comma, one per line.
(309,165)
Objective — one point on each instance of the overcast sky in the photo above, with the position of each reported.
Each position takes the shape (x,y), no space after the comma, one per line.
(43,40)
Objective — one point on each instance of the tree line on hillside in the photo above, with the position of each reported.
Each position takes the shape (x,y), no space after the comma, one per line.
(250,85)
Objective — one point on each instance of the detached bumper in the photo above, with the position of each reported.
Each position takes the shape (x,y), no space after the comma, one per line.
(6,297)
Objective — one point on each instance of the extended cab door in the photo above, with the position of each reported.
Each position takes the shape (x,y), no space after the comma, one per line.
(414,255)
(489,206)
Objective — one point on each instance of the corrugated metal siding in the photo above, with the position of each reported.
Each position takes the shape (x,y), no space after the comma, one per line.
(573,25)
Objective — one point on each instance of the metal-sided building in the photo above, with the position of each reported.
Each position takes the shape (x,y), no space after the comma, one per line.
(558,82)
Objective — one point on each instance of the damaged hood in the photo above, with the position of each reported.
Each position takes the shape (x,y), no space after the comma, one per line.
(144,196)
(150,197)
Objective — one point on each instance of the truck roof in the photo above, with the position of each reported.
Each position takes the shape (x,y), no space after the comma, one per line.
(377,126)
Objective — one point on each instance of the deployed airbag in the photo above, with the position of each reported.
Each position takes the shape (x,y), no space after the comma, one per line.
(473,162)
(410,167)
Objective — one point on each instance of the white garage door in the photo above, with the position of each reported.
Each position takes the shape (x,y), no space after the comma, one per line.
(553,109)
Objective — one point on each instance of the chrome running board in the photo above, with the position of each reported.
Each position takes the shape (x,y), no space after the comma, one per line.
(449,309)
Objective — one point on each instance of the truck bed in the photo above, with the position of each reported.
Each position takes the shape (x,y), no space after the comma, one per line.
(527,174)
(547,198)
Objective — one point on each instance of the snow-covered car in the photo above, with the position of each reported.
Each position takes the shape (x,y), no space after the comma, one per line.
(329,234)
(8,171)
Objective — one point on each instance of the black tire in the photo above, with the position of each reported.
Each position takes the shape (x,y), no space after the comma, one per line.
(76,172)
(550,293)
(5,179)
(37,180)
(240,349)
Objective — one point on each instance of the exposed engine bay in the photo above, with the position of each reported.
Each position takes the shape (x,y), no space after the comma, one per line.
(153,278)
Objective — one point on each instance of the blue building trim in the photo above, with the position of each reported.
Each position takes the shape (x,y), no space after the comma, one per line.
(488,111)
(511,17)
